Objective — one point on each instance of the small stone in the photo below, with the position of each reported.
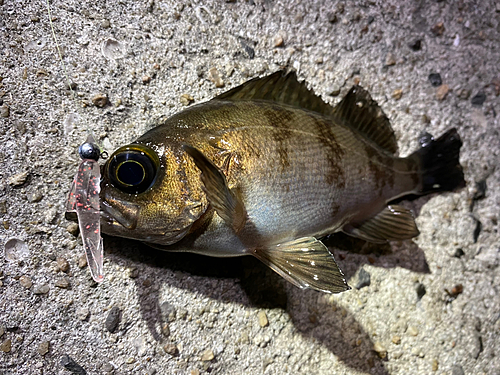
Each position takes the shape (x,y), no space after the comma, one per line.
(4,111)
(171,349)
(35,197)
(435,79)
(334,90)
(6,346)
(478,99)
(416,45)
(69,364)
(331,17)
(41,289)
(62,283)
(165,329)
(43,348)
(113,319)
(100,100)
(457,370)
(195,372)
(364,279)
(263,321)
(456,290)
(438,29)
(130,360)
(278,41)
(73,229)
(214,76)
(83,313)
(464,94)
(105,24)
(18,179)
(412,330)
(168,312)
(434,364)
(146,79)
(396,340)
(133,272)
(420,290)
(107,368)
(186,99)
(2,331)
(62,264)
(207,355)
(390,59)
(25,281)
(82,261)
(397,94)
(380,349)
(442,92)
(459,253)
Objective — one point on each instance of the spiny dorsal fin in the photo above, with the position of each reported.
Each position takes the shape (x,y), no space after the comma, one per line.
(226,203)
(306,263)
(394,223)
(281,87)
(359,111)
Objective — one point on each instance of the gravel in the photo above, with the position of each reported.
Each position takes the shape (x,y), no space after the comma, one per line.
(108,47)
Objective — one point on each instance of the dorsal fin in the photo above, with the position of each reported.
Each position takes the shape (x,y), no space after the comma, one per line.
(359,111)
(281,87)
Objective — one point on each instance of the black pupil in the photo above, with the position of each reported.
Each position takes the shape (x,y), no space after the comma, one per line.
(130,173)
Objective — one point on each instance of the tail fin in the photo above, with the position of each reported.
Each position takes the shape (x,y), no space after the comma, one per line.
(438,158)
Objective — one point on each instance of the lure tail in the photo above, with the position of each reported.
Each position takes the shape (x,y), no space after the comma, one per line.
(439,163)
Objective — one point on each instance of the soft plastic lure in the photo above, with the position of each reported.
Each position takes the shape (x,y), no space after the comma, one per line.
(83,199)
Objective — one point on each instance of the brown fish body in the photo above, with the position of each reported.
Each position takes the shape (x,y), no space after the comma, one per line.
(262,177)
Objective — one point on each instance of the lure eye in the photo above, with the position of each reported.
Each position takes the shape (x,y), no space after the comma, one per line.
(132,169)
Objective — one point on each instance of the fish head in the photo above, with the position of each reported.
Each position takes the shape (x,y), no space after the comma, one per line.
(147,193)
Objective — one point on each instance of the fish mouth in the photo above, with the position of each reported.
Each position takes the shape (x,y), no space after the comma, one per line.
(121,213)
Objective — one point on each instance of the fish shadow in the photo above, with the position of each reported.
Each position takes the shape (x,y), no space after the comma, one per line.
(333,326)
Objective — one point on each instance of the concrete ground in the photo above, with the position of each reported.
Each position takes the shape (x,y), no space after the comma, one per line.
(432,305)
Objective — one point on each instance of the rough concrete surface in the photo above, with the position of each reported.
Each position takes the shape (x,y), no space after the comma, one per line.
(428,306)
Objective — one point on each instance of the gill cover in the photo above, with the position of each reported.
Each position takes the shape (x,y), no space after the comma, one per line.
(133,168)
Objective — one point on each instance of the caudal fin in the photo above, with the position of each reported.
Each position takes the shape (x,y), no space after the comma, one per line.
(438,159)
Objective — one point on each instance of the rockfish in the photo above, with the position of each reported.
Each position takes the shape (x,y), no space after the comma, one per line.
(267,169)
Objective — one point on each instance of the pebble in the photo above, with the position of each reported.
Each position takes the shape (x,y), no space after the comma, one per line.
(82,261)
(100,100)
(442,92)
(334,90)
(364,279)
(412,330)
(4,111)
(43,348)
(438,29)
(41,289)
(171,349)
(397,94)
(130,360)
(263,321)
(113,319)
(478,99)
(83,313)
(25,281)
(195,372)
(457,370)
(464,94)
(105,24)
(73,229)
(396,340)
(133,272)
(416,45)
(168,312)
(380,349)
(35,197)
(69,364)
(207,355)
(435,79)
(62,283)
(18,179)
(186,99)
(62,264)
(165,329)
(2,331)
(145,80)
(6,346)
(107,368)
(390,59)
(16,250)
(278,41)
(459,253)
(434,364)
(420,290)
(214,76)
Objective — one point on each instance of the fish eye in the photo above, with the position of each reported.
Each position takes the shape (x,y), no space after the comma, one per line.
(132,169)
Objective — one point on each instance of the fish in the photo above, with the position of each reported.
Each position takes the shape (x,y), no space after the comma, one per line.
(268,169)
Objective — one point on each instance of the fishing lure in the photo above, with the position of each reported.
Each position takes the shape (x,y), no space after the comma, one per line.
(83,199)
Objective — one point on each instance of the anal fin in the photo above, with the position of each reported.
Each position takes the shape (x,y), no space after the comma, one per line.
(394,223)
(306,263)
(226,202)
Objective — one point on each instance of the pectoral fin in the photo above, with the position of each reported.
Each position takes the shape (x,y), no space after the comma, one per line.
(394,223)
(306,263)
(226,203)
